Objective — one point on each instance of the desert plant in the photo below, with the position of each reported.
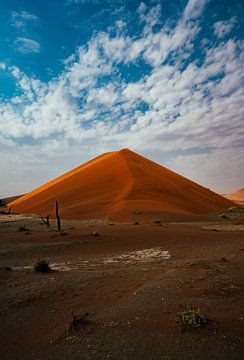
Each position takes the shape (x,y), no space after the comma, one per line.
(4,207)
(233,212)
(159,222)
(5,268)
(78,322)
(136,223)
(23,228)
(2,202)
(41,266)
(46,220)
(192,318)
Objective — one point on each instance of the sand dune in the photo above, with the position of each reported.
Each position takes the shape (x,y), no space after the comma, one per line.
(116,184)
(237,196)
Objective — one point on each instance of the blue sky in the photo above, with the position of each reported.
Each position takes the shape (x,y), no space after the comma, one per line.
(82,77)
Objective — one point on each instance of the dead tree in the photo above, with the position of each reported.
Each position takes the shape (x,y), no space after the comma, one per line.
(46,220)
(58,217)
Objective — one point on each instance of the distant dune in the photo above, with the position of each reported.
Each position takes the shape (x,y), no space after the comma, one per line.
(237,196)
(117,184)
(12,198)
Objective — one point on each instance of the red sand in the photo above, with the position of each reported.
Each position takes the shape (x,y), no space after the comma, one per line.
(237,196)
(116,184)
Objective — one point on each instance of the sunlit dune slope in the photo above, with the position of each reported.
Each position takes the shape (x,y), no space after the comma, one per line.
(116,184)
(237,196)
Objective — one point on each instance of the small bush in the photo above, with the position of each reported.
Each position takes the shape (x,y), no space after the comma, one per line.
(22,228)
(136,223)
(192,318)
(95,233)
(5,268)
(233,212)
(159,222)
(78,322)
(41,266)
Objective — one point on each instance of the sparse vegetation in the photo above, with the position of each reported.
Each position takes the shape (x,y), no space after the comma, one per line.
(5,268)
(4,207)
(2,203)
(136,223)
(42,266)
(157,221)
(233,213)
(78,322)
(22,228)
(46,220)
(192,318)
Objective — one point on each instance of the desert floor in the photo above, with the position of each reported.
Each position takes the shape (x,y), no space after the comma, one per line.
(133,280)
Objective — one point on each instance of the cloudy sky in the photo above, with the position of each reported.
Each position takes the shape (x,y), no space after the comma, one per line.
(82,77)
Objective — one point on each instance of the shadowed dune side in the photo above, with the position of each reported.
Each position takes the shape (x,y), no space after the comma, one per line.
(116,184)
(12,198)
(165,190)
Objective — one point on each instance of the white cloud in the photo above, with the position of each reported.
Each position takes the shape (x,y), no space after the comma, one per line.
(2,66)
(194,9)
(151,18)
(26,45)
(222,28)
(141,8)
(20,19)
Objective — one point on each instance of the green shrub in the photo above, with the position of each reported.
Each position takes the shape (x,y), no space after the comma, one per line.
(192,318)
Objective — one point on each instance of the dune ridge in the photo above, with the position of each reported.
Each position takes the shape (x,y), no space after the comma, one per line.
(116,184)
(237,196)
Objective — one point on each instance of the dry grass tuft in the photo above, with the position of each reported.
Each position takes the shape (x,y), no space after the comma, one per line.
(42,266)
(192,318)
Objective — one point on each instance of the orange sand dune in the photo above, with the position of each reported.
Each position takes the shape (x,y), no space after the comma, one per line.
(117,184)
(237,196)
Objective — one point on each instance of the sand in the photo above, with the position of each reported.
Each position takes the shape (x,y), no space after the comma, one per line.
(133,280)
(117,184)
(237,197)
